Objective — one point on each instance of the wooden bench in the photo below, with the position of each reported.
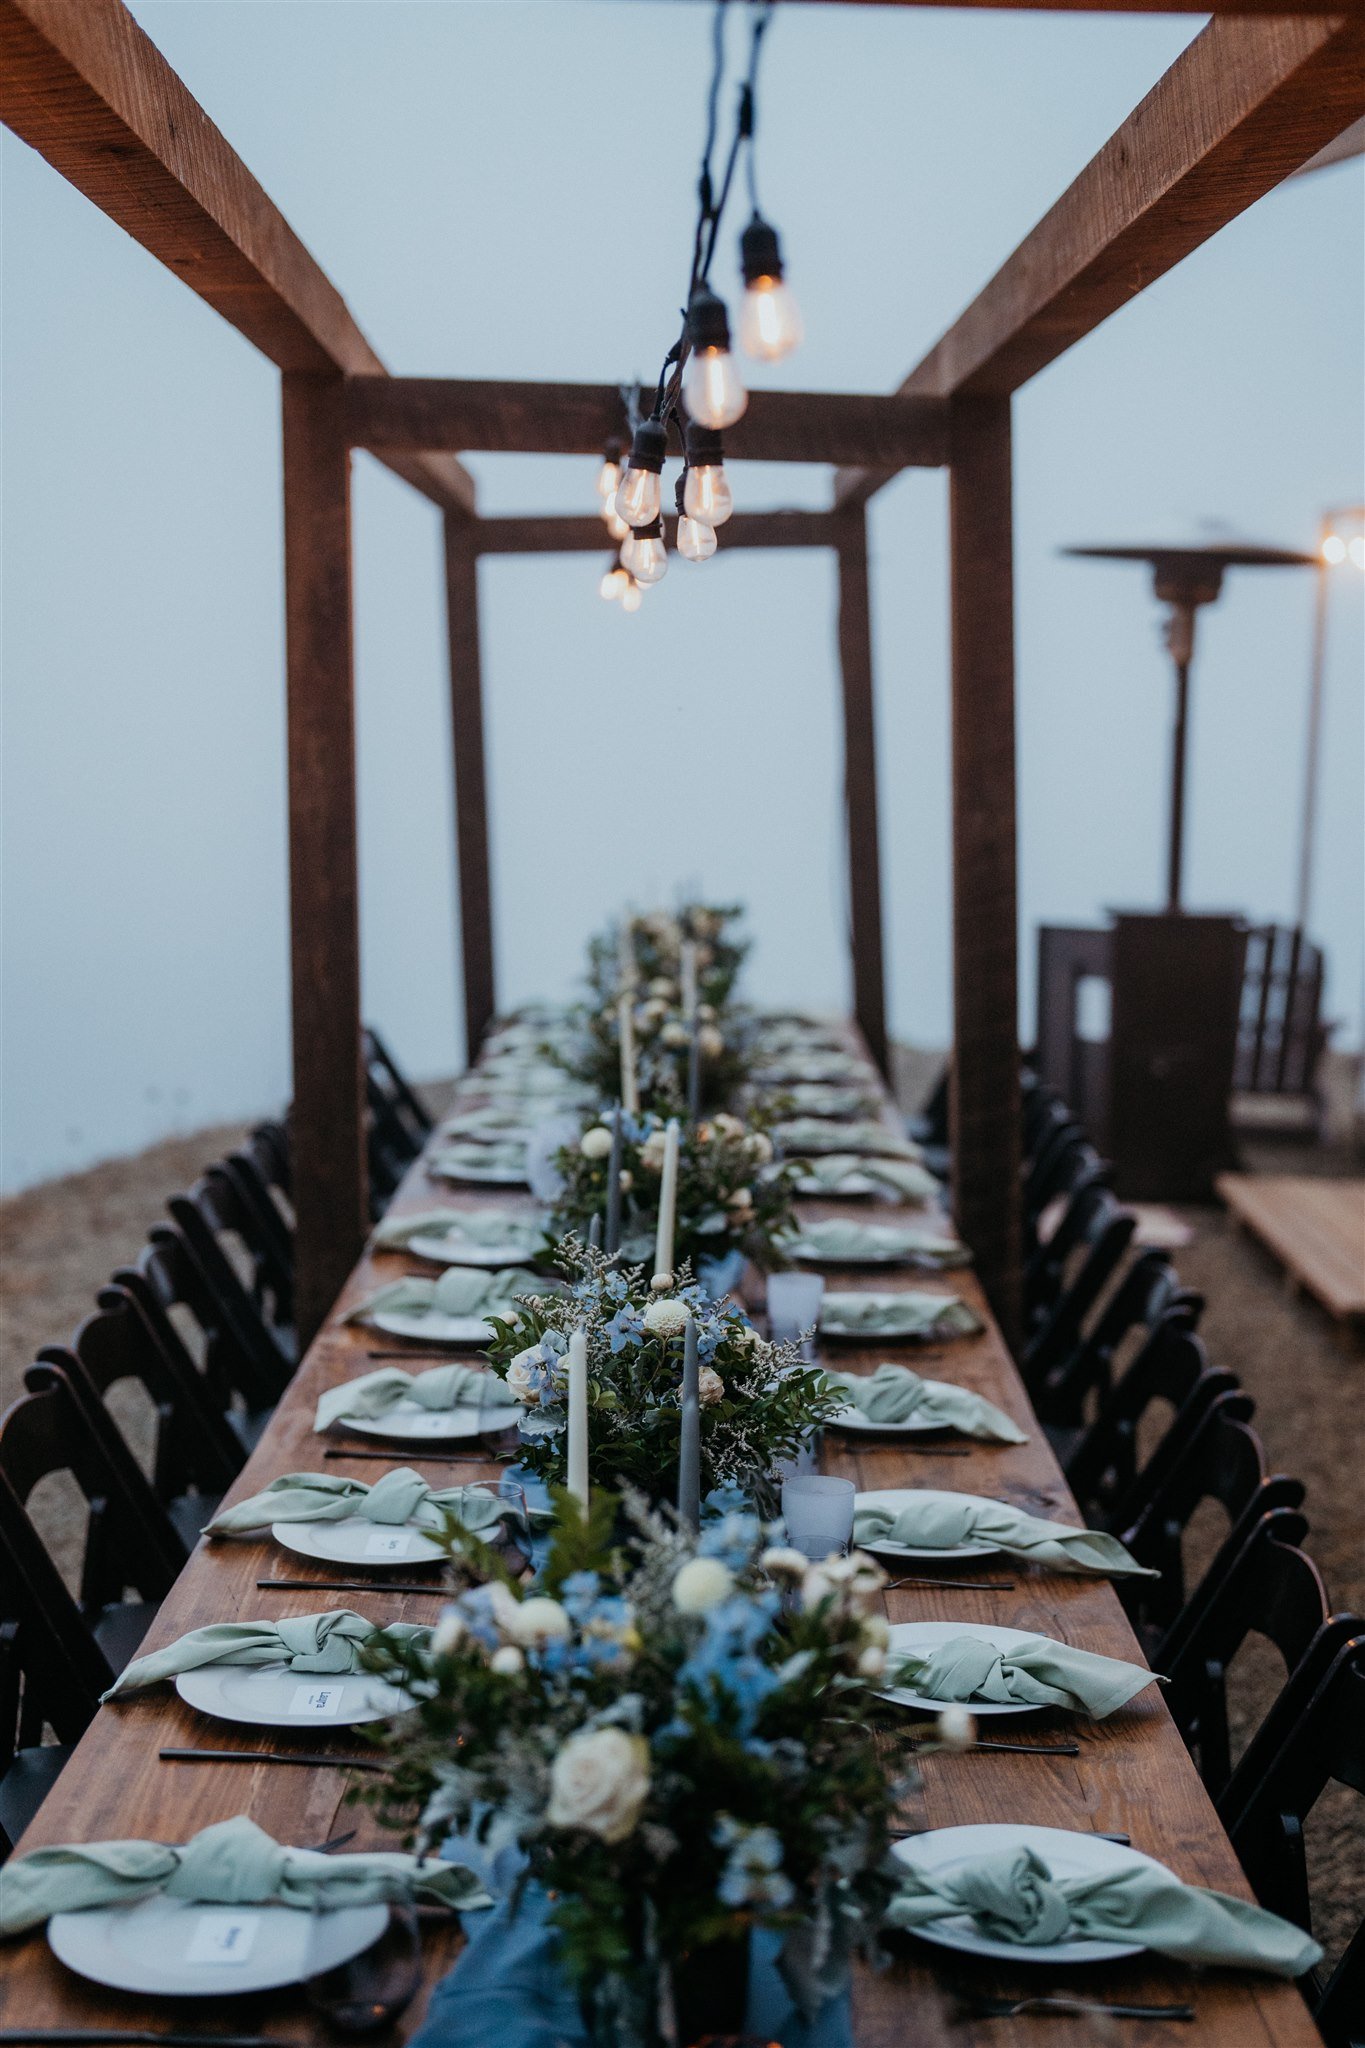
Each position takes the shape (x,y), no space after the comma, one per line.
(1314,1227)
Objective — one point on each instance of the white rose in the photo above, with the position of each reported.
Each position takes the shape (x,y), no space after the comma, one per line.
(852,1582)
(701,1583)
(676,1035)
(667,1318)
(507,1661)
(503,1608)
(710,1387)
(448,1633)
(710,1041)
(596,1143)
(661,988)
(726,1126)
(740,1198)
(876,1631)
(871,1663)
(540,1621)
(652,1152)
(956,1728)
(599,1781)
(519,1374)
(779,1561)
(759,1147)
(706,1011)
(627,1180)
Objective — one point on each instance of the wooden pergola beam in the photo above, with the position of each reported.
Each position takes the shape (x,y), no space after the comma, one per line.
(860,787)
(580,533)
(1129,6)
(407,413)
(471,781)
(86,88)
(1245,105)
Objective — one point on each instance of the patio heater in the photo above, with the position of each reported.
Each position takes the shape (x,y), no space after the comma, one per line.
(1157,1092)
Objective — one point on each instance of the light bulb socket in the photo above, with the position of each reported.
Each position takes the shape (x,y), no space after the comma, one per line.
(760,252)
(654,530)
(612,448)
(649,447)
(705,446)
(708,323)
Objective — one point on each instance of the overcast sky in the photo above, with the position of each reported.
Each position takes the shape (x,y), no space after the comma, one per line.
(506,190)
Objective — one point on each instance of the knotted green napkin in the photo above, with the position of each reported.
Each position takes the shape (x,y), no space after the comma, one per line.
(520,1236)
(459,1291)
(375,1393)
(814,1134)
(233,1863)
(1036,1672)
(897,1315)
(505,1158)
(895,1394)
(495,1119)
(401,1496)
(905,1179)
(930,1520)
(837,1240)
(1013,1896)
(825,1098)
(328,1644)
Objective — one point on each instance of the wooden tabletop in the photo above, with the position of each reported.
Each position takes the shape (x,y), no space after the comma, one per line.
(1133,1772)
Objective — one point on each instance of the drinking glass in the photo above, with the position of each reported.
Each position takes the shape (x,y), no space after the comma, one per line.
(545,1139)
(793,1304)
(371,1990)
(818,1512)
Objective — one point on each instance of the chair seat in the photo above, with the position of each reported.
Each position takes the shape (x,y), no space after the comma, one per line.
(120,1629)
(25,1786)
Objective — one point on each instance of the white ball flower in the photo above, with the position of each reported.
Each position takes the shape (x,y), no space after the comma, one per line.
(667,1318)
(627,1180)
(780,1561)
(759,1147)
(507,1662)
(540,1620)
(448,1633)
(599,1781)
(876,1631)
(662,1283)
(676,1035)
(740,1198)
(723,1125)
(710,1387)
(871,1663)
(707,1012)
(596,1143)
(652,1152)
(661,988)
(711,1042)
(701,1583)
(956,1728)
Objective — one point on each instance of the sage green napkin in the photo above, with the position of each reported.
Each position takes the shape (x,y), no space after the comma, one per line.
(401,1496)
(838,1240)
(520,1236)
(459,1291)
(780,1068)
(1013,1896)
(232,1863)
(905,1179)
(504,1120)
(375,1393)
(824,1098)
(817,1134)
(895,1394)
(504,1158)
(914,1315)
(930,1520)
(1036,1672)
(329,1644)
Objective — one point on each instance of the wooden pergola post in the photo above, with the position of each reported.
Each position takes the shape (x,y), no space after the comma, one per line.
(860,785)
(985,1086)
(330,1182)
(471,780)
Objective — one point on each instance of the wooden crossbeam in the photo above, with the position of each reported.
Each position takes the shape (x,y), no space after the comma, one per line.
(584,534)
(92,94)
(1245,105)
(391,413)
(1130,6)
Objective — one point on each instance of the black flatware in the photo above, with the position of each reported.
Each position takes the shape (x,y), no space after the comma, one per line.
(1056,2001)
(955,1585)
(269,1756)
(409,1451)
(1032,1748)
(439,1592)
(91,2035)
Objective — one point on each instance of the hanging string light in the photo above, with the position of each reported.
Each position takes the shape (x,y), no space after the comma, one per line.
(700,390)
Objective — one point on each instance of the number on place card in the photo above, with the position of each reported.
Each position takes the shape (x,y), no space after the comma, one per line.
(222,1937)
(388,1543)
(321,1700)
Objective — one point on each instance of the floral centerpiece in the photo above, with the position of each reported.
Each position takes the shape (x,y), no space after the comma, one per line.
(653,942)
(682,1738)
(663,1049)
(758,1400)
(731,1198)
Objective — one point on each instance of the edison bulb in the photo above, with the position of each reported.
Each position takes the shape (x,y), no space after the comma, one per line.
(713,388)
(647,560)
(614,584)
(707,495)
(696,540)
(1334,549)
(616,525)
(608,479)
(639,498)
(769,320)
(632,597)
(1357,551)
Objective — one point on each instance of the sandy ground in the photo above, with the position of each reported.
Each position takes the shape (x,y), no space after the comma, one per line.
(59,1242)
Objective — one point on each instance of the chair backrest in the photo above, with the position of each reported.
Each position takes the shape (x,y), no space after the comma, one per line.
(193,1448)
(1119,1462)
(129,1540)
(1272,1590)
(1326,1746)
(270,1150)
(1064,1390)
(253,1245)
(212,1225)
(168,1279)
(383,1070)
(1045,1268)
(1280,1035)
(1079,1262)
(52,1671)
(271,1243)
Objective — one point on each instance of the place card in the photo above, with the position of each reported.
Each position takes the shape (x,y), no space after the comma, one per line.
(320,1700)
(222,1937)
(388,1543)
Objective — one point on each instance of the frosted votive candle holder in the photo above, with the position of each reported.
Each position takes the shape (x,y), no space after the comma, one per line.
(818,1512)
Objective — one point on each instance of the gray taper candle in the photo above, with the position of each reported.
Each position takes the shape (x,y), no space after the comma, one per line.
(613,1238)
(689,1446)
(694,1072)
(595,1230)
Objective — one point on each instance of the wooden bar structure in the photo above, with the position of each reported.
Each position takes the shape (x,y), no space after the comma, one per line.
(1249,102)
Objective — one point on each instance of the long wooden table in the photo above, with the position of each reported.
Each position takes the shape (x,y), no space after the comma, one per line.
(1133,1772)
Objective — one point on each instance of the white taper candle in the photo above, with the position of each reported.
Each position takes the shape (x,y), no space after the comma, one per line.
(578,1417)
(625,1018)
(668,1199)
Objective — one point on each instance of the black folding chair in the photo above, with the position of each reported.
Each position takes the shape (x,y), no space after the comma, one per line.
(384,1071)
(239,1270)
(1071,1274)
(1065,1390)
(1106,1469)
(243,1380)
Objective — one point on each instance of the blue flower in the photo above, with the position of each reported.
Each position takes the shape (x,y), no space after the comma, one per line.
(624,1328)
(753,1874)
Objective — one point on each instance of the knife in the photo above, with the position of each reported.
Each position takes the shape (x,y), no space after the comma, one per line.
(409,1451)
(269,1756)
(438,1592)
(143,2034)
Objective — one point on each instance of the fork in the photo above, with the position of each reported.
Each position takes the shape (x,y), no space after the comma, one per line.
(1049,2001)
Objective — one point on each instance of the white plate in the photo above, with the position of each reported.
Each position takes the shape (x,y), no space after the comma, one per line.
(489,1176)
(433,1327)
(452,1250)
(375,1545)
(929,1635)
(273,1696)
(852,1418)
(893,1496)
(155,1945)
(853,1183)
(410,1422)
(810,1255)
(1064,1851)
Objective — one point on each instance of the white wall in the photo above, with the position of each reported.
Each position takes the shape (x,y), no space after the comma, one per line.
(454,167)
